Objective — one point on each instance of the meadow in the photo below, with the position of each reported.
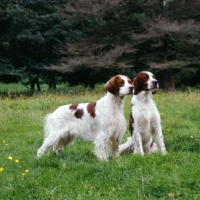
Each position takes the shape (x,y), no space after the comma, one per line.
(77,174)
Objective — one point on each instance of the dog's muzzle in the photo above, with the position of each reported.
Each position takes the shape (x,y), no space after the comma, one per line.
(155,84)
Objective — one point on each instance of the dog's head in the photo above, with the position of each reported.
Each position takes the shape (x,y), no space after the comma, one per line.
(145,81)
(119,85)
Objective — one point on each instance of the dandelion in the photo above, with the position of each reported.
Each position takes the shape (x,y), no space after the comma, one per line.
(16,160)
(1,169)
(10,157)
(4,141)
(191,138)
(25,172)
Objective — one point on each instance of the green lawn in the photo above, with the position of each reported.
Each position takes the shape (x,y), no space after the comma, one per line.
(77,174)
(18,87)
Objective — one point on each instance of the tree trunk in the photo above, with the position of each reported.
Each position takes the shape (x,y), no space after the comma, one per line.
(34,79)
(32,84)
(38,83)
(166,80)
(52,85)
(52,81)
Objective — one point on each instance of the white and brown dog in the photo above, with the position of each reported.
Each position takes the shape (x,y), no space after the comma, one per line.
(145,119)
(102,122)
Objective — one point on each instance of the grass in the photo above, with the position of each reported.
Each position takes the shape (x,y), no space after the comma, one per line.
(77,174)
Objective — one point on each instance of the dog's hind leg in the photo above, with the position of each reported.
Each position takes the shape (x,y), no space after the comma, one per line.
(127,147)
(62,142)
(48,143)
(41,150)
(149,146)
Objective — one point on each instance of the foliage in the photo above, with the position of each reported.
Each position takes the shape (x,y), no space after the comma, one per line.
(31,32)
(161,36)
(143,35)
(77,174)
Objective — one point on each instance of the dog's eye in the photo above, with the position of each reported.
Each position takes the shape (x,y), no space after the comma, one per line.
(121,83)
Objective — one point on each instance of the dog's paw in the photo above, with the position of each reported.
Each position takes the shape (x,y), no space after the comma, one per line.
(40,152)
(164,152)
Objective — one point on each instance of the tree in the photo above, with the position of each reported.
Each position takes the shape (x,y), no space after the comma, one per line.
(171,41)
(90,37)
(30,34)
(147,35)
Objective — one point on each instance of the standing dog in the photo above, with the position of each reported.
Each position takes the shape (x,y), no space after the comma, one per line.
(144,118)
(102,121)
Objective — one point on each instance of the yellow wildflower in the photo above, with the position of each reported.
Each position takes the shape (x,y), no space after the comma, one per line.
(1,169)
(26,170)
(10,157)
(16,160)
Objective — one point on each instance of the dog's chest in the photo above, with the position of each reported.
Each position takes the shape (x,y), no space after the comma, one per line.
(113,118)
(143,115)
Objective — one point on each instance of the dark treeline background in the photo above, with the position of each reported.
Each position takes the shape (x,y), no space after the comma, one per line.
(87,41)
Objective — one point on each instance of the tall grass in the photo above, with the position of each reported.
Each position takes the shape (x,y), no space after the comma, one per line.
(77,174)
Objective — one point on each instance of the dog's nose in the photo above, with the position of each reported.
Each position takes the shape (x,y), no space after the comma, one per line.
(155,81)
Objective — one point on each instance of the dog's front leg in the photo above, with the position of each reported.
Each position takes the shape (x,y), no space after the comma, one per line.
(101,146)
(138,148)
(114,146)
(159,139)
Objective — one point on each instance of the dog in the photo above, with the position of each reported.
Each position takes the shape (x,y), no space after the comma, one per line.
(102,122)
(144,119)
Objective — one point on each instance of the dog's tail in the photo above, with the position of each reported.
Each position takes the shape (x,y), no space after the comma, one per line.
(47,121)
(127,147)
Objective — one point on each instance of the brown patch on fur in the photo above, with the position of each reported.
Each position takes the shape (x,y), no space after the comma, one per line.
(131,121)
(73,107)
(114,84)
(79,113)
(91,109)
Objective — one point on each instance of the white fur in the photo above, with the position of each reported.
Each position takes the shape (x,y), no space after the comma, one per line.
(146,121)
(105,129)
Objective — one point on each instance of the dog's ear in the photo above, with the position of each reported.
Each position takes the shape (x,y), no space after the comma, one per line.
(135,85)
(111,86)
